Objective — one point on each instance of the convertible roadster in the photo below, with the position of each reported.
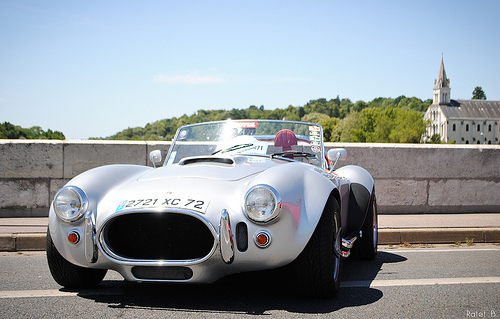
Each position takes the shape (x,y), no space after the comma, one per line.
(230,197)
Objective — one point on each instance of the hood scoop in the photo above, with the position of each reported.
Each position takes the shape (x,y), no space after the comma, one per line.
(207,160)
(210,167)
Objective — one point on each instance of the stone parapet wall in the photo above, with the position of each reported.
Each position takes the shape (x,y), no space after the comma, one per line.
(32,171)
(408,178)
(430,178)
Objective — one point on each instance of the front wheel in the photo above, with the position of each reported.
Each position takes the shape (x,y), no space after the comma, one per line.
(68,275)
(317,268)
(366,246)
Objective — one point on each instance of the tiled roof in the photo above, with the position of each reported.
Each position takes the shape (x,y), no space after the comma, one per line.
(472,109)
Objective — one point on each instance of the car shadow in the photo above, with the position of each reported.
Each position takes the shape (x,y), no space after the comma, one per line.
(249,293)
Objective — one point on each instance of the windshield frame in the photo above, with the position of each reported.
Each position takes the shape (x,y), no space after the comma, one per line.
(321,162)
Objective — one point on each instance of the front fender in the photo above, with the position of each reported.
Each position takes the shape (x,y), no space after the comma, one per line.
(304,193)
(96,183)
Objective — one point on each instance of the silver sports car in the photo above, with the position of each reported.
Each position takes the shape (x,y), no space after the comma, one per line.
(230,197)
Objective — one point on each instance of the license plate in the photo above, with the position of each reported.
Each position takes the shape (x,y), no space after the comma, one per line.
(193,204)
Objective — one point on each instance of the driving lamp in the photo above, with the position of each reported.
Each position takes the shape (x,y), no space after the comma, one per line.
(261,203)
(70,203)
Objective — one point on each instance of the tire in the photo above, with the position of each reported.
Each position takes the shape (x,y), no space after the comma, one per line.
(366,246)
(317,269)
(68,275)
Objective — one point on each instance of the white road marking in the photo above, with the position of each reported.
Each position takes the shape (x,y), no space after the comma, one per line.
(59,293)
(419,282)
(346,284)
(35,293)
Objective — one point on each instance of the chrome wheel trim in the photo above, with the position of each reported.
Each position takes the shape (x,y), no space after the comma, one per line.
(375,224)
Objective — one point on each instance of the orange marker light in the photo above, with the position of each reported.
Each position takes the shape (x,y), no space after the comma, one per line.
(73,237)
(262,239)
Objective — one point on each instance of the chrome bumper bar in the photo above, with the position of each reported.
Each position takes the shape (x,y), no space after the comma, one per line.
(226,238)
(345,250)
(91,250)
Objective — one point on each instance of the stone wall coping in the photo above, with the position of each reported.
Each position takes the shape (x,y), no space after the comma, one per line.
(414,146)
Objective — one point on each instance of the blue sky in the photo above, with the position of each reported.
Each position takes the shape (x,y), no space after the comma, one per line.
(93,68)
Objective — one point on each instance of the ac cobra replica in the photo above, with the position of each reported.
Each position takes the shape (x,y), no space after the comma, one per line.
(230,197)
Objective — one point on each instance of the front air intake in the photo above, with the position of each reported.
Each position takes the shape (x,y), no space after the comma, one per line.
(242,236)
(162,272)
(158,236)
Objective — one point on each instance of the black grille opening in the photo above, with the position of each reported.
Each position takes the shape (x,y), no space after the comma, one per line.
(242,237)
(158,236)
(162,272)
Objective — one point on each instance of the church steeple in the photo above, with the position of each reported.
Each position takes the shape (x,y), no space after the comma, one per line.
(442,87)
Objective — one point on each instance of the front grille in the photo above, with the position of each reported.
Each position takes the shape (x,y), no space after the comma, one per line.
(158,236)
(162,273)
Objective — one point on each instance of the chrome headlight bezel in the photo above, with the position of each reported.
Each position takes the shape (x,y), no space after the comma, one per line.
(70,203)
(262,203)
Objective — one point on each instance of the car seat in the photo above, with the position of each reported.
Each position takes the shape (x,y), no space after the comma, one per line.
(285,138)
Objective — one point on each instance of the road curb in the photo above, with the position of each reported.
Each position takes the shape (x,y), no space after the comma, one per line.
(439,235)
(22,242)
(36,241)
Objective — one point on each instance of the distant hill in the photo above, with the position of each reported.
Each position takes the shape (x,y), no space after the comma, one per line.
(398,120)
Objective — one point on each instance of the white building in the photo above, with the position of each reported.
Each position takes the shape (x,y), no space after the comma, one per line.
(462,121)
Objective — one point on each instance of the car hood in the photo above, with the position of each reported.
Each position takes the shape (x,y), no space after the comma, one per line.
(193,180)
(211,167)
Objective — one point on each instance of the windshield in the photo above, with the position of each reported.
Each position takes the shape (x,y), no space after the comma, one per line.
(293,140)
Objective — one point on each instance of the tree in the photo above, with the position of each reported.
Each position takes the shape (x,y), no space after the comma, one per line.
(409,126)
(351,128)
(10,131)
(478,93)
(381,125)
(314,117)
(359,106)
(329,131)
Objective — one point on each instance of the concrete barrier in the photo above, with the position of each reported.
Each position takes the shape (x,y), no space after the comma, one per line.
(430,178)
(410,178)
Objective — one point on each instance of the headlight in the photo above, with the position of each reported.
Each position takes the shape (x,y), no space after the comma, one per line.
(262,203)
(70,203)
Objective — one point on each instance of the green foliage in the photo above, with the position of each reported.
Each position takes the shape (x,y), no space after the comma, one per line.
(478,93)
(329,125)
(314,117)
(397,120)
(436,139)
(381,125)
(10,131)
(382,120)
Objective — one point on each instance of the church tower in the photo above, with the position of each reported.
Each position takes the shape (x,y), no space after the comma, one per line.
(441,88)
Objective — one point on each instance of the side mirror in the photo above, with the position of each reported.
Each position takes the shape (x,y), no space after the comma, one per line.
(335,155)
(155,157)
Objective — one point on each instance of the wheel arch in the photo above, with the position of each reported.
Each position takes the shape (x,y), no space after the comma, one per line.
(361,189)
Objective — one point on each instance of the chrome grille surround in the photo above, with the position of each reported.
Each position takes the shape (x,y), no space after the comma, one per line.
(108,249)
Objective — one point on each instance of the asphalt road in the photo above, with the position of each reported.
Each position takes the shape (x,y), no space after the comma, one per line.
(437,282)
